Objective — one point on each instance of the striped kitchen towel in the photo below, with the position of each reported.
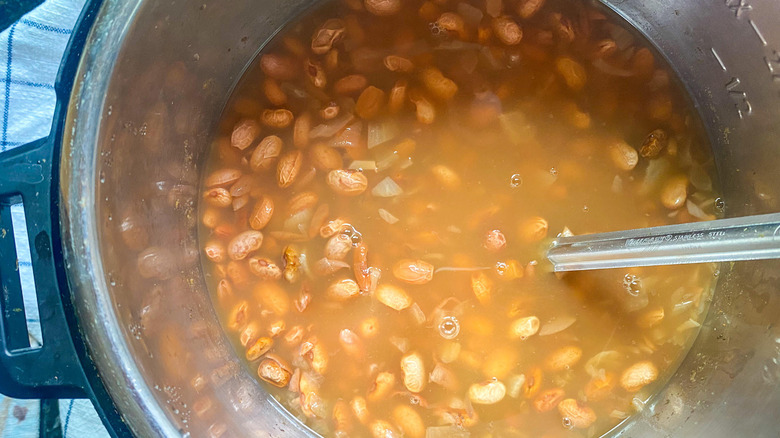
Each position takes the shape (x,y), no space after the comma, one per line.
(30,54)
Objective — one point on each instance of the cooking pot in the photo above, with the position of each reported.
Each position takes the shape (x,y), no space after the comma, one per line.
(139,95)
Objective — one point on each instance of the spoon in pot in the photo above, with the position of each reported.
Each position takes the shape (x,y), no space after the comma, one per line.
(721,240)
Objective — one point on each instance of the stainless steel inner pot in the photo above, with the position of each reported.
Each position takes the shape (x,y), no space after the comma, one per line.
(152,82)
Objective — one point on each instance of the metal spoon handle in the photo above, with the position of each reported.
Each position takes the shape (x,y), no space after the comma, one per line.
(722,240)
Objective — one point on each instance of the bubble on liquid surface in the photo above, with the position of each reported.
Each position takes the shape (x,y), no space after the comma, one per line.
(553,171)
(515,181)
(449,327)
(633,284)
(720,204)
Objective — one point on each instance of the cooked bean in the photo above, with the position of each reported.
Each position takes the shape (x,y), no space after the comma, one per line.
(330,111)
(273,297)
(222,177)
(238,316)
(409,421)
(350,85)
(210,219)
(600,387)
(383,384)
(351,343)
(638,375)
(563,358)
(244,244)
(650,318)
(579,416)
(324,157)
(487,393)
(261,213)
(288,168)
(276,328)
(156,262)
(328,34)
(215,251)
(274,93)
(301,130)
(453,23)
(426,113)
(342,418)
(265,268)
(381,428)
(675,192)
(482,287)
(440,86)
(397,96)
(218,197)
(413,271)
(400,64)
(266,153)
(393,296)
(279,67)
(240,202)
(413,370)
(315,74)
(338,247)
(258,348)
(277,119)
(244,134)
(302,201)
(383,7)
(494,241)
(292,264)
(524,328)
(572,72)
(548,400)
(623,156)
(533,229)
(527,8)
(343,290)
(347,182)
(238,273)
(332,227)
(370,103)
(655,142)
(507,31)
(446,176)
(275,372)
(360,409)
(604,48)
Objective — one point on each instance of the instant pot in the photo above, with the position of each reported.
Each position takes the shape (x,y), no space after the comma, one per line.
(139,94)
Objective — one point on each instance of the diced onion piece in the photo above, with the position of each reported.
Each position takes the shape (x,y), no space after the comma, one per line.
(402,344)
(363,165)
(557,325)
(689,324)
(387,216)
(696,211)
(602,360)
(381,132)
(387,188)
(331,127)
(299,222)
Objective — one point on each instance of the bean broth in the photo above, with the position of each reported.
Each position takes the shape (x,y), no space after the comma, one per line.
(384,183)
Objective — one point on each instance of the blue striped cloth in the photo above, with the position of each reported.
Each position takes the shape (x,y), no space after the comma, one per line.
(30,54)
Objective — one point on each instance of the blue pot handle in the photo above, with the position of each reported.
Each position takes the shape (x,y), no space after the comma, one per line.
(12,10)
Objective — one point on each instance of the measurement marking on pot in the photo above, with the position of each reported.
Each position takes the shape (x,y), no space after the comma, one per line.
(717,58)
(738,7)
(773,64)
(741,102)
(757,31)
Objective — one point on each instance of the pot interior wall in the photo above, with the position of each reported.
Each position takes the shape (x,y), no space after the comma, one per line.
(176,67)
